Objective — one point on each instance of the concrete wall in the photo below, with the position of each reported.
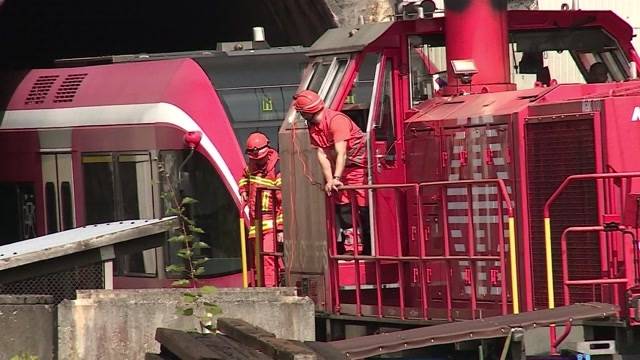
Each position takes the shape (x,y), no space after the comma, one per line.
(28,326)
(121,324)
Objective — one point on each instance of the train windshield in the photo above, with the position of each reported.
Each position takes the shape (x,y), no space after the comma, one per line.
(541,57)
(566,56)
(215,212)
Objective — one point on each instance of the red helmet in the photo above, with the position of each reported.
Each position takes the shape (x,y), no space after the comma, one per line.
(257,145)
(308,101)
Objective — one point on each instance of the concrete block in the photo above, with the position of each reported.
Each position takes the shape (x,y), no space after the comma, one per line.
(121,324)
(28,325)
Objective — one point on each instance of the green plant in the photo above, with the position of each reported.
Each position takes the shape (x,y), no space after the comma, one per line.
(24,356)
(186,235)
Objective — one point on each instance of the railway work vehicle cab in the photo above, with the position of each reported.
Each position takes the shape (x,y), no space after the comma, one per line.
(501,178)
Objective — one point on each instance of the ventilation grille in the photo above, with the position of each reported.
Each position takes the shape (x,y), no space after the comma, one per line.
(556,150)
(61,285)
(69,87)
(40,89)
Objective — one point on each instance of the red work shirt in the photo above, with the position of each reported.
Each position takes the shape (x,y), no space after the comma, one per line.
(336,127)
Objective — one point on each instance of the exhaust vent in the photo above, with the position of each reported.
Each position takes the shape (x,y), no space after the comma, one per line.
(40,89)
(69,87)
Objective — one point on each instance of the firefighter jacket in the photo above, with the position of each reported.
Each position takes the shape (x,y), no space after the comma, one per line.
(258,175)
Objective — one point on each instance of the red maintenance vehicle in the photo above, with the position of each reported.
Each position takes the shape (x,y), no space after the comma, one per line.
(486,198)
(81,142)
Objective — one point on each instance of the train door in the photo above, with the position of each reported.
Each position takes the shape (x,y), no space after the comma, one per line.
(383,134)
(120,186)
(58,201)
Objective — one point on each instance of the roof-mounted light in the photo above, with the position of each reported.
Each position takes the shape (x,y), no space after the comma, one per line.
(464,69)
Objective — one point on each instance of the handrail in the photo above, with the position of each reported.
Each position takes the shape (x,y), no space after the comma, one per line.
(243,254)
(547,220)
(504,199)
(547,232)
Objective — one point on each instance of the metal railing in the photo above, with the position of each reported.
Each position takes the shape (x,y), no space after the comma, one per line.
(610,207)
(423,259)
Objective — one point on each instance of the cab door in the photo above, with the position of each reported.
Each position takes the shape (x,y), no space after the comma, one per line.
(383,145)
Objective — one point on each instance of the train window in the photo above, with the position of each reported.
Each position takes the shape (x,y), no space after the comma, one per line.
(319,73)
(357,102)
(51,207)
(67,205)
(118,186)
(385,124)
(427,61)
(564,56)
(215,211)
(334,79)
(98,189)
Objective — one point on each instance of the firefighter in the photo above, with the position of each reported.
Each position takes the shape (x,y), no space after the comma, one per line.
(262,171)
(342,156)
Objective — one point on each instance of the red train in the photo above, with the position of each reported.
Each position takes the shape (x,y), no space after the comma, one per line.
(80,145)
(461,177)
(485,199)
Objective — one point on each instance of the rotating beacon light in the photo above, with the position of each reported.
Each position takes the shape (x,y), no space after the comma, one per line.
(192,139)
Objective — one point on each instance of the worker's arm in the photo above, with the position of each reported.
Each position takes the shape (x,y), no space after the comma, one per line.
(341,158)
(325,164)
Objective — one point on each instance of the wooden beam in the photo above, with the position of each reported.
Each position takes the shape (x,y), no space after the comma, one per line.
(264,341)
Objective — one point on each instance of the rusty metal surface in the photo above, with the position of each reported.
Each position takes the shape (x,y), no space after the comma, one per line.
(499,326)
(306,233)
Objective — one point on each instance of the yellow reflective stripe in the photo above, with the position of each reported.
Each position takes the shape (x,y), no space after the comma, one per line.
(243,182)
(266,225)
(278,182)
(266,200)
(260,180)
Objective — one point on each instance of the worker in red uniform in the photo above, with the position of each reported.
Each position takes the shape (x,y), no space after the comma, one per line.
(262,171)
(341,151)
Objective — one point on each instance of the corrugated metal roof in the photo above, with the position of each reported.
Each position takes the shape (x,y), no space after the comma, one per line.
(80,239)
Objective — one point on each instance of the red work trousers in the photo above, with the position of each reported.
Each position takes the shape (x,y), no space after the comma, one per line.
(269,262)
(353,176)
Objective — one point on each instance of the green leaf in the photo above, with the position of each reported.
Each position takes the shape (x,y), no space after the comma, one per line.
(213,310)
(187,312)
(208,289)
(174,268)
(199,271)
(187,220)
(210,327)
(189,298)
(176,239)
(184,253)
(180,283)
(195,229)
(172,211)
(200,261)
(188,200)
(200,245)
